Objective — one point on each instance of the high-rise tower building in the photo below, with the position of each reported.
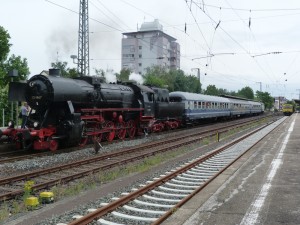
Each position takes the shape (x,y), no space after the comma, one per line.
(149,46)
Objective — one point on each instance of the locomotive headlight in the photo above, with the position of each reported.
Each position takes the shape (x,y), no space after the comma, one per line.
(35,124)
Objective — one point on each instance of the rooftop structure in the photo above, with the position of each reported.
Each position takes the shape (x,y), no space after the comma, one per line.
(149,46)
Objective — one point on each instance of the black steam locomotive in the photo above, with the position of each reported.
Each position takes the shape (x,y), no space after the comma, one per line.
(69,112)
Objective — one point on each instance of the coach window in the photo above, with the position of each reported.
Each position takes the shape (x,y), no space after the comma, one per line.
(208,105)
(199,105)
(195,105)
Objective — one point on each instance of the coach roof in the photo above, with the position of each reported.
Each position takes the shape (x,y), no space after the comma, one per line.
(197,97)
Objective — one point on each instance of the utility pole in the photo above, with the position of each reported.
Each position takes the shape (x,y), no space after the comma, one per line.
(299,92)
(198,75)
(260,85)
(83,39)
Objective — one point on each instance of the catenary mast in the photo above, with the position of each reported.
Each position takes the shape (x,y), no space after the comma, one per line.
(83,39)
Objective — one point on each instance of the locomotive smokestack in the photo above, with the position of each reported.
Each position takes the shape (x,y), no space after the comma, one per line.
(54,72)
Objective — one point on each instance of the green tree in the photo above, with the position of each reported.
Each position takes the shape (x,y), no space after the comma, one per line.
(266,98)
(4,44)
(153,80)
(7,65)
(192,83)
(179,82)
(211,90)
(101,74)
(174,80)
(246,92)
(223,91)
(123,75)
(64,69)
(16,62)
(155,76)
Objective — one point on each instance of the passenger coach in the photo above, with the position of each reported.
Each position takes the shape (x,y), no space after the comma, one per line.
(198,106)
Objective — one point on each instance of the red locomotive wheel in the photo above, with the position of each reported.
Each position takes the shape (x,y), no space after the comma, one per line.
(131,128)
(53,145)
(111,134)
(121,130)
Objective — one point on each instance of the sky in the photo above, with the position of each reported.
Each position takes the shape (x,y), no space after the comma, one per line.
(234,43)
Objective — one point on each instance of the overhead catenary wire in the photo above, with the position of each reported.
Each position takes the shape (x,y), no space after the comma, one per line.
(257,10)
(73,11)
(253,36)
(100,10)
(117,17)
(239,44)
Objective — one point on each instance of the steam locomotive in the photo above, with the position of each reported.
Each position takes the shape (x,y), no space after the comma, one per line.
(68,112)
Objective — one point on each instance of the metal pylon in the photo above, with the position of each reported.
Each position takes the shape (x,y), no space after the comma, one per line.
(83,39)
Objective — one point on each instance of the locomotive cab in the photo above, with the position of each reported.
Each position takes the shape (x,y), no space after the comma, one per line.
(144,98)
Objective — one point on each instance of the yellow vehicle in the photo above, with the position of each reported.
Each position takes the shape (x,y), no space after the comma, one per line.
(288,109)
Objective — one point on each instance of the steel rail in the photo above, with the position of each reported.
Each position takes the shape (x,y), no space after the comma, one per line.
(131,196)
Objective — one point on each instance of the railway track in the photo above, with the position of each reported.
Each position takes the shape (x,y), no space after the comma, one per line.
(12,155)
(45,178)
(156,200)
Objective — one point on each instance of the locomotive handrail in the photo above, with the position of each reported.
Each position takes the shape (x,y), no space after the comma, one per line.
(111,109)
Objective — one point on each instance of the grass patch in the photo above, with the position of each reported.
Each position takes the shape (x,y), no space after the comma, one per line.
(4,212)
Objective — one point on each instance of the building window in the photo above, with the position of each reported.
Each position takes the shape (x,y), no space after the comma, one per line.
(140,64)
(140,55)
(128,55)
(140,47)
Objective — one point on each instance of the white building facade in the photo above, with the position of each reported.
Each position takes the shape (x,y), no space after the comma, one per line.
(148,47)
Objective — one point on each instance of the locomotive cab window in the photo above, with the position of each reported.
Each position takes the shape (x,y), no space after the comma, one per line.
(150,97)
